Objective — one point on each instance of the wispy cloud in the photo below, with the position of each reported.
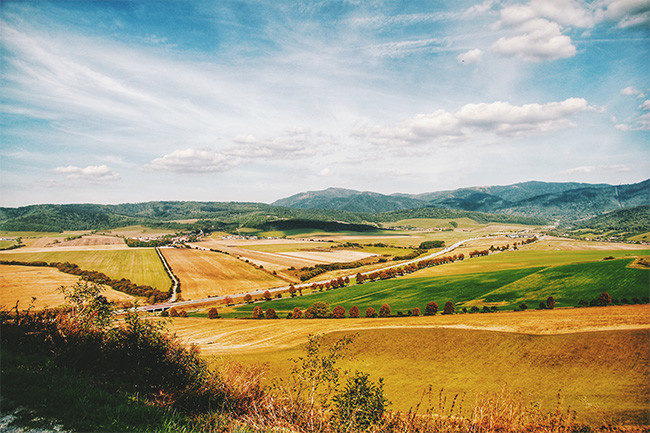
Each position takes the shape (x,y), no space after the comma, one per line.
(588,169)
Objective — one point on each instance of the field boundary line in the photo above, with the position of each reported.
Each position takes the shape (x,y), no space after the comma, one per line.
(170,274)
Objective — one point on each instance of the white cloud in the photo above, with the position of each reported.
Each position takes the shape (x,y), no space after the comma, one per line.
(565,12)
(470,57)
(618,168)
(326,172)
(478,9)
(536,40)
(193,161)
(91,173)
(627,13)
(645,105)
(632,91)
(404,48)
(292,143)
(472,120)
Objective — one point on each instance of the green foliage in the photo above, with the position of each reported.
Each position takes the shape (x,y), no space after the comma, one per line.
(320,310)
(361,403)
(87,305)
(440,213)
(427,245)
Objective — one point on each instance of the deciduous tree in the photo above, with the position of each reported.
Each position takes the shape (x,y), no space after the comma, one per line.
(370,312)
(213,313)
(431,309)
(338,312)
(271,314)
(449,308)
(384,311)
(354,312)
(258,313)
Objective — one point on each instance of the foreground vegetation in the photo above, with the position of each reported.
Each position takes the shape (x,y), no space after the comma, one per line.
(90,372)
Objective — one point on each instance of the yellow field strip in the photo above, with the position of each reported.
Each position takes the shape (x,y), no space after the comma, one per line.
(231,336)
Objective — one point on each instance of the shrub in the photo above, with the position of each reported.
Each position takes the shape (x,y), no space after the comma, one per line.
(523,306)
(449,308)
(321,310)
(267,295)
(604,299)
(361,403)
(415,311)
(173,312)
(271,314)
(227,300)
(550,303)
(213,313)
(248,298)
(541,306)
(583,303)
(309,313)
(164,313)
(431,309)
(182,313)
(258,313)
(354,312)
(292,291)
(338,312)
(474,309)
(297,314)
(486,309)
(370,312)
(384,311)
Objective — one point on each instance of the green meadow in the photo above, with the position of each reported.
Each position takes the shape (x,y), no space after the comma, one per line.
(140,265)
(507,288)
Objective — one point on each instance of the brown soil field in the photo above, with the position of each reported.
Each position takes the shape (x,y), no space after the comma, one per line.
(21,283)
(92,240)
(205,273)
(230,336)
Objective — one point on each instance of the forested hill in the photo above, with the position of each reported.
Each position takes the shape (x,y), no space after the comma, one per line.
(48,218)
(569,201)
(215,215)
(635,220)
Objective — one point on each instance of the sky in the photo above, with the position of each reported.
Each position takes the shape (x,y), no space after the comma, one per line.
(131,101)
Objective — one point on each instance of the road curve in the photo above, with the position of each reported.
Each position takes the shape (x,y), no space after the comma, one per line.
(172,303)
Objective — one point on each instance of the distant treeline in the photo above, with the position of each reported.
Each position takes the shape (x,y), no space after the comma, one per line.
(635,220)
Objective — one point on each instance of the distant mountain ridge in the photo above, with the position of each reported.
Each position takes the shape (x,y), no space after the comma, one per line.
(552,200)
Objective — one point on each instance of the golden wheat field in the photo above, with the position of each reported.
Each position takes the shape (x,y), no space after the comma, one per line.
(205,273)
(597,359)
(21,283)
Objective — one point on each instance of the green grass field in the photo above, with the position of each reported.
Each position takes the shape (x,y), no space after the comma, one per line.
(140,265)
(507,288)
(602,375)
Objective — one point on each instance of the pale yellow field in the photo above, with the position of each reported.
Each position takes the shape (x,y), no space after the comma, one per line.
(232,336)
(138,230)
(205,273)
(277,254)
(21,283)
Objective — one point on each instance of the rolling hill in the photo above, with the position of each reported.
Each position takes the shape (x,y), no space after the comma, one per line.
(568,201)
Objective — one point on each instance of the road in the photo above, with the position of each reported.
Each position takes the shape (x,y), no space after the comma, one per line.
(171,275)
(172,303)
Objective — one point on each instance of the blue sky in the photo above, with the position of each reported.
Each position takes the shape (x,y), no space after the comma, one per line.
(128,101)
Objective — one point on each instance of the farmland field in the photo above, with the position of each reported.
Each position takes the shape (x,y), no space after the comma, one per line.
(505,288)
(206,273)
(21,283)
(140,265)
(597,356)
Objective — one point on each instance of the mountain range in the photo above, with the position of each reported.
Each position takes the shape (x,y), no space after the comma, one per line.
(566,201)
